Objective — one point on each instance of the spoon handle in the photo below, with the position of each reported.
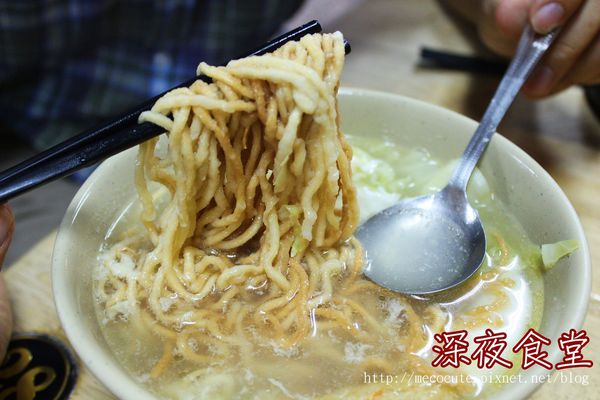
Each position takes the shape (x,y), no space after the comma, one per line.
(530,50)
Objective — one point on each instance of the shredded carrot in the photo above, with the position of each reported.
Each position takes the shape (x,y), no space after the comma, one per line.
(377,394)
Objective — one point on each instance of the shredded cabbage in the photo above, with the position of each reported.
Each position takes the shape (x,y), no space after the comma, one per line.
(385,174)
(386,169)
(374,173)
(300,243)
(552,253)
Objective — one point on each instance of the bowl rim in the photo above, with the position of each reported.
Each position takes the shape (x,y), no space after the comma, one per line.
(125,386)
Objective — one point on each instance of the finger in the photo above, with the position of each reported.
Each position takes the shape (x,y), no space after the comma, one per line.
(587,69)
(6,319)
(573,41)
(501,23)
(511,16)
(7,226)
(546,15)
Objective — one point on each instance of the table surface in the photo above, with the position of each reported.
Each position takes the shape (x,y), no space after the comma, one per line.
(386,36)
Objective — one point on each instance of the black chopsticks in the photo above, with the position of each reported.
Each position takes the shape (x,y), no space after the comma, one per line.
(448,60)
(442,59)
(99,143)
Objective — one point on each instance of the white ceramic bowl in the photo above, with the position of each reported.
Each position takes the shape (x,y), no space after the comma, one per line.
(526,189)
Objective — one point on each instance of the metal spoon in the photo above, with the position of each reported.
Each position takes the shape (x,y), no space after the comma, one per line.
(432,243)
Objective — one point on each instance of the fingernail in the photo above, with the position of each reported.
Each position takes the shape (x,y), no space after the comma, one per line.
(548,17)
(540,81)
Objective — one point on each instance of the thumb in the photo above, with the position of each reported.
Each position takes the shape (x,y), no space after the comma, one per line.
(546,15)
(7,226)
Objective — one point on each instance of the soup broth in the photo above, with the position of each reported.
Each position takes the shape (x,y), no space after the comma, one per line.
(371,338)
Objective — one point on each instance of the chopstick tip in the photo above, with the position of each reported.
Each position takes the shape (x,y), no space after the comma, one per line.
(347,47)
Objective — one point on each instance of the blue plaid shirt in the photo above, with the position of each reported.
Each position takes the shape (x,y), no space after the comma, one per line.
(66,65)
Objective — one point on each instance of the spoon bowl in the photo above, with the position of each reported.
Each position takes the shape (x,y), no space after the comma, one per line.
(439,236)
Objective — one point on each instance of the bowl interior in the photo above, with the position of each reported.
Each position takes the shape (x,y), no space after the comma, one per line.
(525,188)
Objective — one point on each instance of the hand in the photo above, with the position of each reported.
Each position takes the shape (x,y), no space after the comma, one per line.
(7,225)
(575,55)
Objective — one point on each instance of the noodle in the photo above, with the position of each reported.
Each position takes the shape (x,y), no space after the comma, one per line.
(255,165)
